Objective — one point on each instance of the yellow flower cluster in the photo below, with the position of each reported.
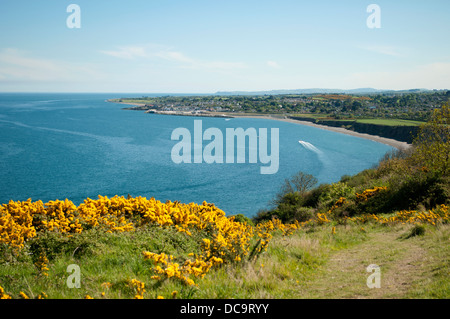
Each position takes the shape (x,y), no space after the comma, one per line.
(140,288)
(265,229)
(197,268)
(341,201)
(440,214)
(225,239)
(23,295)
(42,265)
(108,213)
(16,222)
(57,216)
(42,295)
(21,220)
(322,219)
(230,239)
(369,193)
(3,295)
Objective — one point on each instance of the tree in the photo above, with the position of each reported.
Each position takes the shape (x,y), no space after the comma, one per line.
(298,184)
(432,144)
(356,105)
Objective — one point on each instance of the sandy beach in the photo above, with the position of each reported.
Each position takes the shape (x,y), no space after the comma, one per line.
(376,138)
(379,139)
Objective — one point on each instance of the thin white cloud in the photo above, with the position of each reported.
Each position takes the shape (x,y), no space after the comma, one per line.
(127,53)
(168,54)
(174,56)
(384,49)
(273,64)
(17,65)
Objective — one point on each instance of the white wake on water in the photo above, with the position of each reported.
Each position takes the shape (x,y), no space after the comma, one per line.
(310,147)
(323,158)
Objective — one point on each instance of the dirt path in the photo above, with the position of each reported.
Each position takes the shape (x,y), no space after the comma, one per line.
(345,275)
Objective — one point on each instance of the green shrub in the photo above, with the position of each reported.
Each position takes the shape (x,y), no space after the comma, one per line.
(426,189)
(417,230)
(243,219)
(54,244)
(334,192)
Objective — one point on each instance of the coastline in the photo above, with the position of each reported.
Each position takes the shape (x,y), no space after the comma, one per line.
(387,141)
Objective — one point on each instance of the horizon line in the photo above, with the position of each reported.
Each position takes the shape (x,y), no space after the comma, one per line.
(221,91)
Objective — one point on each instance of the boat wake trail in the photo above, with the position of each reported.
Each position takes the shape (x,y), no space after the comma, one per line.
(311,147)
(323,158)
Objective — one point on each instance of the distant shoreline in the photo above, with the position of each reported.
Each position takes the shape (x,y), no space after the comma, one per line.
(376,138)
(387,141)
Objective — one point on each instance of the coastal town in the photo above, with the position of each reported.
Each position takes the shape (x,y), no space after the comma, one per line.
(408,105)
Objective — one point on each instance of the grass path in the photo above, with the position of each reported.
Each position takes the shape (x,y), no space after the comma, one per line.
(401,261)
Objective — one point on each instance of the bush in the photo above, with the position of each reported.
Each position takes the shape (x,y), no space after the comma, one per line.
(417,230)
(243,219)
(311,198)
(54,244)
(432,144)
(426,189)
(287,208)
(303,214)
(333,193)
(298,184)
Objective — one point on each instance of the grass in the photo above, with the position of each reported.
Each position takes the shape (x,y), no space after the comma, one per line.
(314,263)
(390,122)
(115,258)
(376,121)
(310,263)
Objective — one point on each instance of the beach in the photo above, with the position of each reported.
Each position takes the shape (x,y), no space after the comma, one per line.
(379,139)
(388,141)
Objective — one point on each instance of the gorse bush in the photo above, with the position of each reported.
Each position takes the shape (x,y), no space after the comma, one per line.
(50,231)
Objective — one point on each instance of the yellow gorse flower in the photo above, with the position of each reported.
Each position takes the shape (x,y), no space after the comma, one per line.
(42,264)
(4,295)
(435,216)
(24,295)
(364,196)
(140,288)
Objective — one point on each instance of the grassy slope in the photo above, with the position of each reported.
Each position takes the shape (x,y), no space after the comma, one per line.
(311,263)
(318,264)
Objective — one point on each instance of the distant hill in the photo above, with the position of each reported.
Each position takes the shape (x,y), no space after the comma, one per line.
(317,90)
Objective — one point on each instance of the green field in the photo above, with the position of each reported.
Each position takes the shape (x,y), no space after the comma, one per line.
(391,122)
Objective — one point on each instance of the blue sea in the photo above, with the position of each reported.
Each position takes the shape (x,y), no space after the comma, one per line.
(75,146)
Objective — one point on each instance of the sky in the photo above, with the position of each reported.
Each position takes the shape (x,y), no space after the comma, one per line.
(205,46)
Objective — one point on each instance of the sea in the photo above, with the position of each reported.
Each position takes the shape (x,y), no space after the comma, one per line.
(78,146)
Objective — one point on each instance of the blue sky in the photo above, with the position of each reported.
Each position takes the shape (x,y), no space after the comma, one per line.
(207,46)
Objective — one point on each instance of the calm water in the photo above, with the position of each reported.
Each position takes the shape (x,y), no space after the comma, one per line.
(57,146)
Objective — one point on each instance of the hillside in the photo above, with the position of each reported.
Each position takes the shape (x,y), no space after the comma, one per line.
(318,259)
(315,242)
